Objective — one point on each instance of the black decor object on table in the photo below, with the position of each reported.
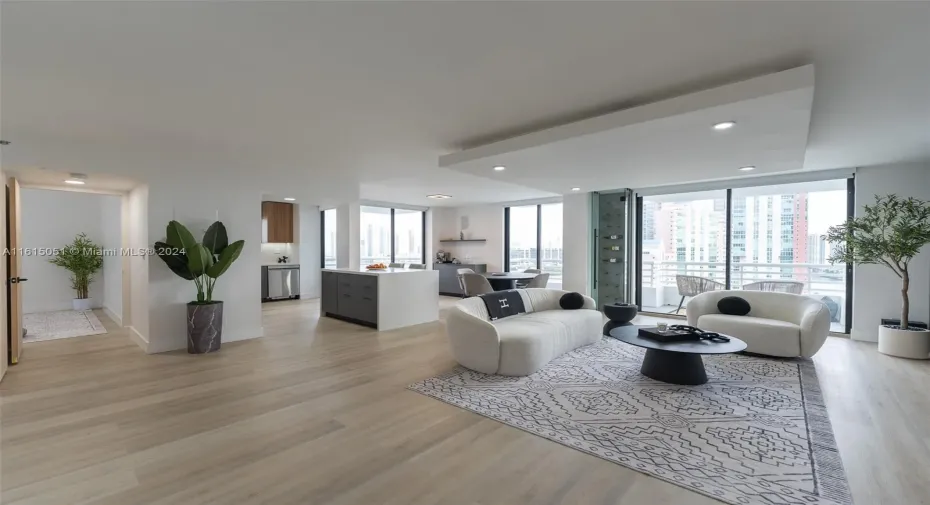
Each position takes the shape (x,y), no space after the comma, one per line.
(675,362)
(733,306)
(571,301)
(620,314)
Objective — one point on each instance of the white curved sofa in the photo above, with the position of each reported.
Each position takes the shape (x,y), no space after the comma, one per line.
(524,343)
(778,324)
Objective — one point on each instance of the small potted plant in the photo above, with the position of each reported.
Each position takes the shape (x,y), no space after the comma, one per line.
(889,233)
(83,258)
(202,263)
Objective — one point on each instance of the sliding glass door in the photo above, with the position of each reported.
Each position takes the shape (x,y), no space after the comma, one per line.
(533,240)
(763,238)
(683,248)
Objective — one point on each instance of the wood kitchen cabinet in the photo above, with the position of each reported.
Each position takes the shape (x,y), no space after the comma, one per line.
(277,222)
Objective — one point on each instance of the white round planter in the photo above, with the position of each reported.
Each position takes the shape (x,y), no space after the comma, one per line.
(912,343)
(82,303)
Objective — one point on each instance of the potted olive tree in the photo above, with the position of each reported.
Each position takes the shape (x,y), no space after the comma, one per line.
(83,258)
(201,262)
(889,233)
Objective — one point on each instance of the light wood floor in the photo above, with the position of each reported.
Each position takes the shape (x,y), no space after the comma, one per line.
(317,413)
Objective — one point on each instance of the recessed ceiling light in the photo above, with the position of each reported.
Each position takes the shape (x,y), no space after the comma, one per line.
(726,125)
(289,199)
(438,197)
(746,169)
(73,181)
(500,168)
(576,189)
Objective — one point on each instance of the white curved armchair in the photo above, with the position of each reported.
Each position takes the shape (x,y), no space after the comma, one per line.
(778,324)
(521,344)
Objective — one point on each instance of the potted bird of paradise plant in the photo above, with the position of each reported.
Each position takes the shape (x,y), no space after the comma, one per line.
(203,263)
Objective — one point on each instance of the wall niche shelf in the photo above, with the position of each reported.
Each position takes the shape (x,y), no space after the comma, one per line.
(447,240)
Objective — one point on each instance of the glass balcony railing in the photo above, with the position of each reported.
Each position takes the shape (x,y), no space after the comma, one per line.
(823,282)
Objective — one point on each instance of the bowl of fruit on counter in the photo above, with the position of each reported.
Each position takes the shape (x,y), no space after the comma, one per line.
(376,266)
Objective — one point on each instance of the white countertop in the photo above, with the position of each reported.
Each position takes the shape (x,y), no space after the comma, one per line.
(281,265)
(386,271)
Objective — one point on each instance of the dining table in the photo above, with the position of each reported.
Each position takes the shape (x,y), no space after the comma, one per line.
(502,281)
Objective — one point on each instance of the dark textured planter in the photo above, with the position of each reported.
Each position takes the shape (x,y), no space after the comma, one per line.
(204,327)
(619,315)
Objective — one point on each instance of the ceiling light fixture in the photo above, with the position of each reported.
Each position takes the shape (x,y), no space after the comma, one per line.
(439,197)
(500,168)
(726,125)
(746,169)
(289,199)
(75,178)
(576,189)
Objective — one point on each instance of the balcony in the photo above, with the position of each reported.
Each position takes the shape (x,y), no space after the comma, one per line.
(821,281)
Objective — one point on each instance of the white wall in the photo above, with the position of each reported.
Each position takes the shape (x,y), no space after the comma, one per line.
(111,240)
(271,252)
(348,235)
(876,290)
(51,219)
(239,208)
(310,273)
(138,226)
(576,243)
(484,221)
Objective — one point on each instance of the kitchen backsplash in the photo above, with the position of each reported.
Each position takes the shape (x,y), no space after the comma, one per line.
(271,253)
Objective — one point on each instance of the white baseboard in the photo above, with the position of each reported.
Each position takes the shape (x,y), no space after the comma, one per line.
(112,315)
(140,340)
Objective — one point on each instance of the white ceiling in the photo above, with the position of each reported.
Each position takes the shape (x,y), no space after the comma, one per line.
(359,99)
(667,142)
(38,177)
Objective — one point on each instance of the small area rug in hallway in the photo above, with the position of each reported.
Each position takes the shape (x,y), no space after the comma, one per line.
(61,324)
(757,432)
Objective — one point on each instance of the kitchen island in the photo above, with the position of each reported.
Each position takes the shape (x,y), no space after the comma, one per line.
(383,299)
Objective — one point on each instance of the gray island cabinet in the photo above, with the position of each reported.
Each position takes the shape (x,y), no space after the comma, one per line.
(383,299)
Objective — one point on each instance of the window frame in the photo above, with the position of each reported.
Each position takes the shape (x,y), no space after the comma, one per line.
(539,233)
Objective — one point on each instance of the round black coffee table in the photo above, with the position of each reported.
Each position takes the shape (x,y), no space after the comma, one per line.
(675,362)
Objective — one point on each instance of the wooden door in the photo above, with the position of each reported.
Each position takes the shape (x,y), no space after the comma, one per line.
(14,281)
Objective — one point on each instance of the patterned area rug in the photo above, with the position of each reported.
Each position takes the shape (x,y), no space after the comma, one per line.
(757,432)
(61,324)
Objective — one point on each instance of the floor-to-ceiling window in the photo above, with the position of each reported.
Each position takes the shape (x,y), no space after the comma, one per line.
(550,243)
(522,232)
(328,232)
(375,235)
(777,234)
(533,239)
(408,236)
(391,235)
(767,238)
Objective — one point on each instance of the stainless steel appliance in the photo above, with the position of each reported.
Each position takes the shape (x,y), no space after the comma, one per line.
(281,282)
